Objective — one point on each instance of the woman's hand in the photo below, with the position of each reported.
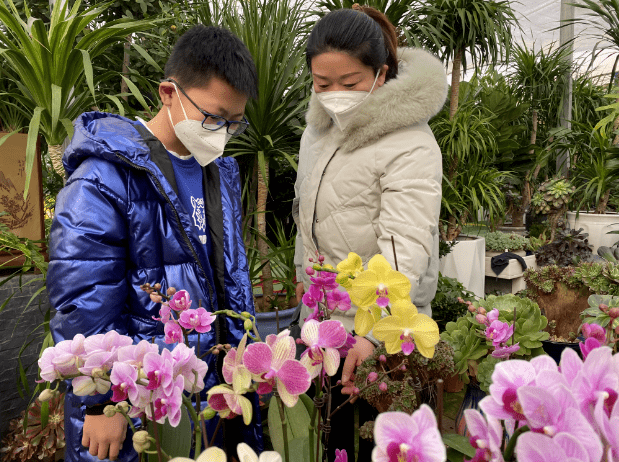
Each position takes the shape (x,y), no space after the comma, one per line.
(104,436)
(300,290)
(362,349)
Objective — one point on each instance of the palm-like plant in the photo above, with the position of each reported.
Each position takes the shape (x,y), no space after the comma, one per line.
(539,78)
(397,11)
(453,28)
(274,32)
(53,65)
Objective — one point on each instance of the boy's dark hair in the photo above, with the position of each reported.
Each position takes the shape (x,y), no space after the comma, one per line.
(363,32)
(203,52)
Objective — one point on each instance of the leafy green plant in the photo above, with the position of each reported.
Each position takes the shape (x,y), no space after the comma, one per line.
(472,348)
(397,11)
(599,310)
(569,247)
(52,64)
(498,241)
(446,306)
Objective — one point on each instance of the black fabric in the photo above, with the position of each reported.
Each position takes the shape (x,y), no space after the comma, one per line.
(500,262)
(159,154)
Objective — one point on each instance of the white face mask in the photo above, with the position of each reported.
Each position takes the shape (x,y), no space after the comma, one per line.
(205,145)
(343,105)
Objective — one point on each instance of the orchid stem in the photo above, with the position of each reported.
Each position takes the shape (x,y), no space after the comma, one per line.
(196,422)
(282,415)
(156,431)
(217,427)
(511,445)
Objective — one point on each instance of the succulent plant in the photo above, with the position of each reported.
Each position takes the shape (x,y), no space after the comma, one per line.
(600,278)
(570,247)
(551,199)
(471,348)
(503,242)
(599,311)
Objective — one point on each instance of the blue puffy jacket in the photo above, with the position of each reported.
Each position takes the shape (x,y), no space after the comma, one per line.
(118,224)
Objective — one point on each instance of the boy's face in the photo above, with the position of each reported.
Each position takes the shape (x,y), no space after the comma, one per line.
(217,97)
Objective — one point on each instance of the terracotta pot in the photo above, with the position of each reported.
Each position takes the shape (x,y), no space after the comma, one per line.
(453,384)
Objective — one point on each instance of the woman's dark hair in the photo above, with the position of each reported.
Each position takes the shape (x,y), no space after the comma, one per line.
(362,32)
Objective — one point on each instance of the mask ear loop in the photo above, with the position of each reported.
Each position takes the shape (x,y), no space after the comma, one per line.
(375,80)
(181,102)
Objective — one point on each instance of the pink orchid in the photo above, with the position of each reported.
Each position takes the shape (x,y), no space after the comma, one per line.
(189,366)
(403,437)
(492,316)
(505,351)
(325,280)
(348,345)
(341,456)
(180,301)
(499,332)
(588,345)
(98,364)
(233,366)
(487,435)
(158,370)
(86,386)
(63,360)
(229,401)
(173,332)
(323,340)
(571,365)
(200,320)
(274,362)
(533,447)
(508,376)
(313,296)
(165,313)
(110,341)
(338,299)
(594,331)
(167,404)
(608,425)
(134,354)
(556,413)
(123,378)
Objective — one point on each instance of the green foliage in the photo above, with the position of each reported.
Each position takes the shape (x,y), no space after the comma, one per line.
(470,344)
(569,247)
(483,28)
(175,441)
(498,241)
(595,315)
(52,64)
(600,278)
(445,305)
(484,372)
(397,11)
(552,196)
(544,279)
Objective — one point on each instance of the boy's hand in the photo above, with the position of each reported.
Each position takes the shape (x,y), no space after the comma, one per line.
(362,349)
(104,436)
(300,290)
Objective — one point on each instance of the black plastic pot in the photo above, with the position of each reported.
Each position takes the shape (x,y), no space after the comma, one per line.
(555,349)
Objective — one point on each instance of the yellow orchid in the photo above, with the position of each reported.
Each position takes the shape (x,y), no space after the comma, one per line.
(365,318)
(352,266)
(405,326)
(378,281)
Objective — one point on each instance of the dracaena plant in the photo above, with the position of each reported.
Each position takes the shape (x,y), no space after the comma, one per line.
(52,65)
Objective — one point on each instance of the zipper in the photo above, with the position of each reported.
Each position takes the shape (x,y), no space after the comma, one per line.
(322,175)
(178,222)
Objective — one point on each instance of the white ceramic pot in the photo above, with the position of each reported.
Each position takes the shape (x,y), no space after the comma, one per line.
(597,226)
(466,263)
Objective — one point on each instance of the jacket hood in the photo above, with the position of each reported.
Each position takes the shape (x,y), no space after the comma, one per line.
(414,96)
(99,134)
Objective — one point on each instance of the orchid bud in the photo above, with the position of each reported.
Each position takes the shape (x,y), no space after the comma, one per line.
(372,376)
(382,358)
(109,410)
(471,309)
(311,259)
(209,413)
(248,325)
(321,258)
(156,298)
(123,407)
(141,441)
(356,391)
(481,310)
(460,300)
(613,312)
(157,286)
(171,291)
(216,351)
(403,367)
(246,315)
(310,271)
(480,318)
(328,266)
(317,267)
(227,346)
(382,387)
(603,307)
(46,395)
(339,382)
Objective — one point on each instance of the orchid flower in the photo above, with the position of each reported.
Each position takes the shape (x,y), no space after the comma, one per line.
(406,328)
(273,362)
(229,402)
(167,403)
(403,437)
(212,454)
(594,331)
(338,300)
(487,435)
(352,266)
(608,425)
(233,365)
(533,447)
(199,320)
(180,301)
(379,280)
(247,454)
(323,340)
(499,332)
(190,367)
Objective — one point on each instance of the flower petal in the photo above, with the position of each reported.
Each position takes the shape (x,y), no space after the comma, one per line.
(257,358)
(309,332)
(294,377)
(395,427)
(331,361)
(212,454)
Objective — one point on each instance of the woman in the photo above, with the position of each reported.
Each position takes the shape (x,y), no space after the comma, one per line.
(369,166)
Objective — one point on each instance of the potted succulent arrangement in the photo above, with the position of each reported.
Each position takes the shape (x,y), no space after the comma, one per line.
(569,247)
(551,199)
(498,242)
(493,329)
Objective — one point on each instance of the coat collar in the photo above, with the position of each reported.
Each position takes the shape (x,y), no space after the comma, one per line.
(414,96)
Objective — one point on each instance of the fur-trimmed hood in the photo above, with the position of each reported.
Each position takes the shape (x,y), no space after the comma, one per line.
(416,94)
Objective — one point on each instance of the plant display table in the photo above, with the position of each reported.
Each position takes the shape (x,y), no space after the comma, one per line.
(511,278)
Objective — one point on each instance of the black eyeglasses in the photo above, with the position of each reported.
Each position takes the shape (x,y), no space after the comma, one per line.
(214,122)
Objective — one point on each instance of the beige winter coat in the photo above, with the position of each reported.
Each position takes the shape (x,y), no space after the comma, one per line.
(381,177)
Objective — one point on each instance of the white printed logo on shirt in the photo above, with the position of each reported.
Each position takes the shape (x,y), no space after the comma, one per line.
(198,214)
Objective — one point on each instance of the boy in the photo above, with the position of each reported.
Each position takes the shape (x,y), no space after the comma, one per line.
(154,202)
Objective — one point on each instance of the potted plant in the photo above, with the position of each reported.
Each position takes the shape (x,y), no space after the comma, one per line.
(486,335)
(498,242)
(551,199)
(569,247)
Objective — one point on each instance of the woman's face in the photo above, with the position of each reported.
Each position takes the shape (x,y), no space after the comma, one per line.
(338,71)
